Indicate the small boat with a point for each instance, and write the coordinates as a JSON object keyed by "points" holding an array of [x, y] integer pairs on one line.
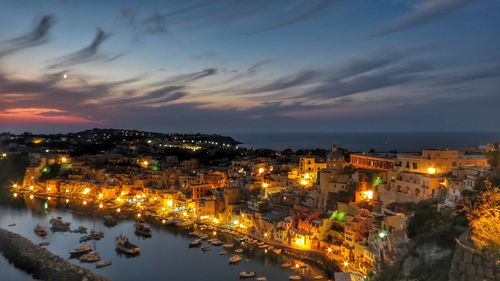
{"points": [[223, 252], [96, 235], [90, 257], [206, 248], [286, 265], [294, 277], [228, 245], [103, 263], [142, 230], [263, 247], [270, 248], [11, 225], [84, 238], [59, 225], [234, 259], [247, 274], [183, 223], [238, 251], [246, 260], [80, 250], [193, 233], [261, 278], [110, 220], [277, 251], [318, 277], [195, 243], [261, 243], [204, 237], [80, 229], [216, 242], [43, 244], [124, 246], [40, 231]]}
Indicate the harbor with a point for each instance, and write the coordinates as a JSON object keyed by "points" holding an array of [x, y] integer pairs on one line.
{"points": [[168, 243]]}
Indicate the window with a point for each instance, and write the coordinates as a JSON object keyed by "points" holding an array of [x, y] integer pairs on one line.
{"points": [[414, 166]]}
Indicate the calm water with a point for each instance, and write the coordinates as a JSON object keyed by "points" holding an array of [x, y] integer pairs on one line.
{"points": [[403, 142], [165, 256]]}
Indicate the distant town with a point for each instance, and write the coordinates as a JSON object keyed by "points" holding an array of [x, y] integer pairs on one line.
{"points": [[367, 215]]}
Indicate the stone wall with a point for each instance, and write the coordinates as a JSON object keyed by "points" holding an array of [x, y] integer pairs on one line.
{"points": [[470, 264], [39, 262]]}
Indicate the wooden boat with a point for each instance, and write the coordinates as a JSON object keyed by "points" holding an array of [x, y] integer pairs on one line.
{"points": [[247, 274], [206, 248], [204, 237], [40, 231], [124, 246], [11, 225], [294, 277], [142, 230], [80, 250], [216, 242], [96, 235], [318, 277], [223, 252], [90, 257], [238, 251], [228, 245], [59, 225], [234, 259], [195, 243], [277, 251], [261, 278], [43, 244], [103, 264]]}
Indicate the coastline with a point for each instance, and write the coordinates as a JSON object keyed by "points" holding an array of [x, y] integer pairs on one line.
{"points": [[40, 262]]}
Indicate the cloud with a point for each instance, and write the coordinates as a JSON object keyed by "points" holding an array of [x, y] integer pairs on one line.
{"points": [[87, 54], [41, 115], [38, 36], [426, 11], [299, 79], [189, 77]]}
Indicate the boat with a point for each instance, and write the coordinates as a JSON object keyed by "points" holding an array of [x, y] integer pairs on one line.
{"points": [[204, 237], [238, 251], [206, 248], [124, 246], [11, 225], [318, 277], [277, 251], [40, 231], [95, 235], [294, 277], [142, 230], [263, 247], [80, 229], [59, 225], [103, 263], [110, 220], [216, 242], [261, 278], [223, 252], [90, 257], [234, 259], [228, 245], [195, 243], [43, 244], [183, 223], [286, 265], [261, 243], [247, 274], [80, 250]]}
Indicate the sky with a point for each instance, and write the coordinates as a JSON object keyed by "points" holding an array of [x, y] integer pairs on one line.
{"points": [[250, 66]]}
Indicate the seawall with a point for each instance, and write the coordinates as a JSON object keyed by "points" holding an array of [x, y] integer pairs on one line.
{"points": [[40, 262]]}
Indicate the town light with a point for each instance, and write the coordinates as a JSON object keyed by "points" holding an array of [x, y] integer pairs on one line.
{"points": [[85, 202], [163, 221], [138, 215], [14, 185], [170, 203], [431, 170], [86, 191], [307, 176], [329, 250], [303, 182], [145, 163], [100, 195], [236, 222], [67, 200], [300, 241], [265, 234], [346, 263], [31, 196], [118, 210], [100, 206], [31, 187], [297, 265], [261, 170], [215, 233], [48, 188], [67, 190], [63, 159], [368, 194], [15, 194], [265, 185], [4, 155]]}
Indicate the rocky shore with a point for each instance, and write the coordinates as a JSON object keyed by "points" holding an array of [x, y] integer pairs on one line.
{"points": [[39, 262]]}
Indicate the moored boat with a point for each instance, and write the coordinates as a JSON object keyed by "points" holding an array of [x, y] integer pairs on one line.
{"points": [[206, 248], [216, 242], [234, 259], [90, 257], [40, 231], [43, 244], [223, 252], [261, 278], [277, 251], [110, 220], [318, 277], [80, 250], [142, 230], [247, 274], [228, 245], [185, 223], [195, 243], [294, 277], [124, 246], [59, 225], [103, 264]]}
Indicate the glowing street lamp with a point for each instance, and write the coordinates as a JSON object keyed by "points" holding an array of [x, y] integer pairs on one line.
{"points": [[431, 170], [15, 194], [118, 210], [265, 185], [346, 263], [329, 250], [303, 182], [31, 196]]}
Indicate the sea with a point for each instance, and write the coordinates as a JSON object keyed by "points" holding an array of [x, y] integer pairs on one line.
{"points": [[365, 141]]}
